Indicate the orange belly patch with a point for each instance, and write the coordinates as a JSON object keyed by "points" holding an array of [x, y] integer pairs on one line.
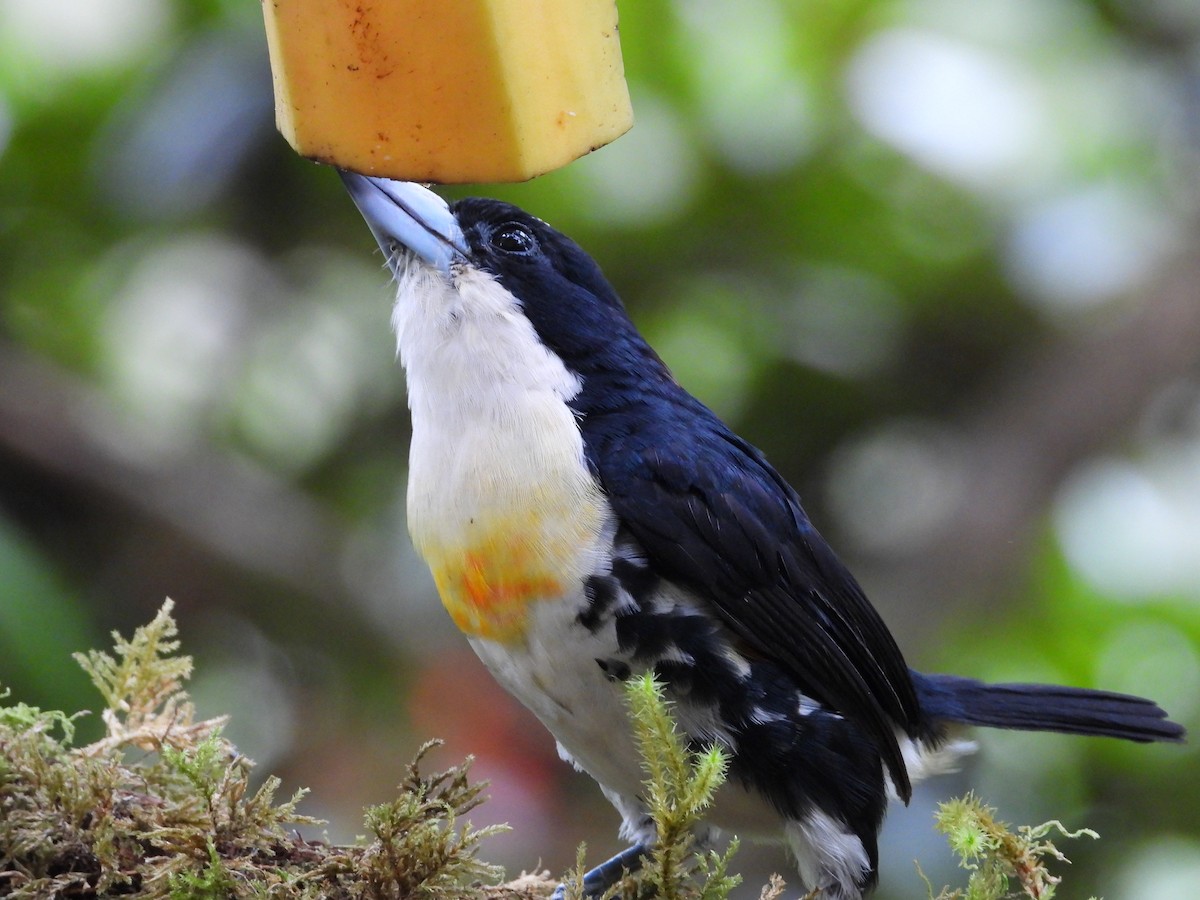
{"points": [[488, 591], [489, 585]]}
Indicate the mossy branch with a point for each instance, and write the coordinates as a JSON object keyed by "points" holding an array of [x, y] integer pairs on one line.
{"points": [[179, 819]]}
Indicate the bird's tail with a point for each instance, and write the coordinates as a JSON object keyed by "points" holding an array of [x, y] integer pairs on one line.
{"points": [[1044, 707]]}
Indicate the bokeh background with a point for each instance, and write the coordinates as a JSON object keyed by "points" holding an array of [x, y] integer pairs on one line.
{"points": [[940, 260]]}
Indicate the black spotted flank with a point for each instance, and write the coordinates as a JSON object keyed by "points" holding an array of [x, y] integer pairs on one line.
{"points": [[629, 588], [635, 577], [805, 760], [792, 749], [615, 669], [601, 592]]}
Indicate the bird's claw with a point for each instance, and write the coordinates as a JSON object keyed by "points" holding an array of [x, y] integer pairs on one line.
{"points": [[605, 875]]}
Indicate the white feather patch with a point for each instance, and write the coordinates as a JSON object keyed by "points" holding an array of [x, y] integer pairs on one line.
{"points": [[828, 855], [500, 500]]}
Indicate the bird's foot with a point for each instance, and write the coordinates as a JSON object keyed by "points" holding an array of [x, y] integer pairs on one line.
{"points": [[605, 875]]}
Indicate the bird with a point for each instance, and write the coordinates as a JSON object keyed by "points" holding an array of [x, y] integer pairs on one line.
{"points": [[587, 520]]}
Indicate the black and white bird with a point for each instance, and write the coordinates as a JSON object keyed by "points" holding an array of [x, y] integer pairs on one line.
{"points": [[587, 519]]}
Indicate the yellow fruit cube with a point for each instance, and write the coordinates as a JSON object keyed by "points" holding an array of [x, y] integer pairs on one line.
{"points": [[447, 91]]}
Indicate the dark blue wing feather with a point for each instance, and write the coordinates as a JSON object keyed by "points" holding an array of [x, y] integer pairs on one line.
{"points": [[713, 515]]}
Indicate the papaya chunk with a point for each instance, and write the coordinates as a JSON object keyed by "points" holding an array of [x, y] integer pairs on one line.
{"points": [[447, 91]]}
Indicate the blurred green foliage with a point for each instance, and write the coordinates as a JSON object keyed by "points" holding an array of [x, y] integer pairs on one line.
{"points": [[938, 260]]}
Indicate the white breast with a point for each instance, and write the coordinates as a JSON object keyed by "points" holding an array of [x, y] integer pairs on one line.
{"points": [[500, 500], [495, 441]]}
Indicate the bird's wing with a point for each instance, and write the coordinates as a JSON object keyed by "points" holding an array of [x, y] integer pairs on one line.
{"points": [[712, 514]]}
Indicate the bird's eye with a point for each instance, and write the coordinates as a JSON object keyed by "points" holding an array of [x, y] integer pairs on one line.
{"points": [[514, 238]]}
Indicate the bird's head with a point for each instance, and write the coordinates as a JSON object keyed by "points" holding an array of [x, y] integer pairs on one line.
{"points": [[481, 257]]}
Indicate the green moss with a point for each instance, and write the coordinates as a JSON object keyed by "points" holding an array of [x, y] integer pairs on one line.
{"points": [[162, 805], [680, 785], [212, 882], [1003, 863], [417, 850]]}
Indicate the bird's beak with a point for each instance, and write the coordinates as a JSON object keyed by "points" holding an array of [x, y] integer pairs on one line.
{"points": [[403, 215]]}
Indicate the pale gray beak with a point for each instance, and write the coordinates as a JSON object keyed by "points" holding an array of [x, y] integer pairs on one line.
{"points": [[406, 216]]}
